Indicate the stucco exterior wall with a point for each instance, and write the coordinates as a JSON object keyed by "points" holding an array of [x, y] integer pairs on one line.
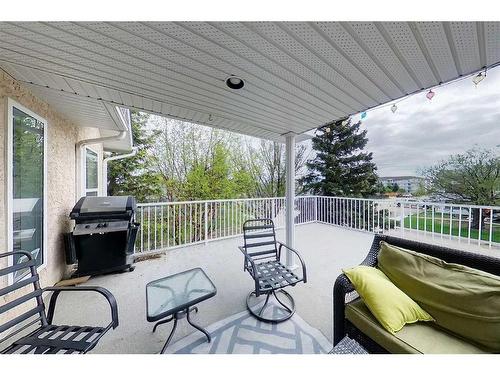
{"points": [[62, 135]]}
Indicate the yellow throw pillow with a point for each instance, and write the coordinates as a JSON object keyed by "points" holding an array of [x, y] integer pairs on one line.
{"points": [[388, 304]]}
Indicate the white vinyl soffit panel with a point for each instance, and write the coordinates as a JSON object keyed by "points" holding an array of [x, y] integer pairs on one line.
{"points": [[297, 75]]}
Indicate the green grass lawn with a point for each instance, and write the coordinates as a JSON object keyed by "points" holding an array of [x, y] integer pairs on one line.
{"points": [[464, 230]]}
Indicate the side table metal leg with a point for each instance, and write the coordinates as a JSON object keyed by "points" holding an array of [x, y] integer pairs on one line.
{"points": [[169, 336], [162, 322], [198, 327]]}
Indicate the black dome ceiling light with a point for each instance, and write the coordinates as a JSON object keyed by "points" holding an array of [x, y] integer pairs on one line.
{"points": [[234, 82]]}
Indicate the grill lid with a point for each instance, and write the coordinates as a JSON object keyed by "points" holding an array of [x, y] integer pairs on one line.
{"points": [[104, 207]]}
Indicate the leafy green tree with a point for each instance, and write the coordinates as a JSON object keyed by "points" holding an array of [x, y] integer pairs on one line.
{"points": [[216, 180], [135, 175], [471, 178], [196, 162], [340, 167]]}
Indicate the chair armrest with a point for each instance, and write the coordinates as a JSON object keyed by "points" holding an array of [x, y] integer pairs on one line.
{"points": [[304, 271], [341, 288], [56, 290], [248, 259]]}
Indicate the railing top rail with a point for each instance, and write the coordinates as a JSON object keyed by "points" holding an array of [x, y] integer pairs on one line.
{"points": [[396, 200], [336, 197], [207, 201], [458, 205], [403, 200]]}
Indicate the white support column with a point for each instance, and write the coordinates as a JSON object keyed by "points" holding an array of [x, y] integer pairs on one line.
{"points": [[290, 197]]}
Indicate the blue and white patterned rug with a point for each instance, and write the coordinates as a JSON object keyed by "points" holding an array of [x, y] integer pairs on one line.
{"points": [[243, 334]]}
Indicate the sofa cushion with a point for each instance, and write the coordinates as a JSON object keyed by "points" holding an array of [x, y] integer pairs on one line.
{"points": [[462, 300], [411, 339], [392, 308]]}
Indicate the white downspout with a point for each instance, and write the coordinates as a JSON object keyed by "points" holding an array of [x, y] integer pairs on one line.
{"points": [[104, 191], [93, 141], [290, 197], [79, 155]]}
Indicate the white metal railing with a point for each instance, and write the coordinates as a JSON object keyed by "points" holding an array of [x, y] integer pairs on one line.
{"points": [[468, 224], [173, 224]]}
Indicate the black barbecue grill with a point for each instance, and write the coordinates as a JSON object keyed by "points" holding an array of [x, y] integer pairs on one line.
{"points": [[104, 235]]}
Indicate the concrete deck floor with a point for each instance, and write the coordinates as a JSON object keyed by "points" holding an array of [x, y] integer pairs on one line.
{"points": [[325, 249]]}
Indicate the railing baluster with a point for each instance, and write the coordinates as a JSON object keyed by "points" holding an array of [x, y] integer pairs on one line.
{"points": [[442, 220], [460, 224], [469, 225], [179, 226], [402, 214], [417, 217], [378, 217], [161, 227], [373, 216], [205, 236], [425, 218], [491, 228], [155, 226], [451, 221], [480, 227], [190, 222], [142, 229], [225, 218], [149, 227], [433, 216]]}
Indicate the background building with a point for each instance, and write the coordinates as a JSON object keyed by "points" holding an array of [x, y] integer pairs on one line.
{"points": [[410, 184]]}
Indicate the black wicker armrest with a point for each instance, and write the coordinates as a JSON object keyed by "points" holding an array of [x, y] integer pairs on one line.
{"points": [[343, 286], [371, 258], [304, 271], [56, 290]]}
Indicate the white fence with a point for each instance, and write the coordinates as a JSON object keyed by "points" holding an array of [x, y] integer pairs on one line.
{"points": [[468, 224], [173, 224]]}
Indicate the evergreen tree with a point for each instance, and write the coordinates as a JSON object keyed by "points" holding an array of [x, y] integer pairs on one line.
{"points": [[135, 175], [340, 168]]}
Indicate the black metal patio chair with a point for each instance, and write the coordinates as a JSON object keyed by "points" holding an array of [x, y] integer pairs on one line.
{"points": [[25, 295], [263, 262]]}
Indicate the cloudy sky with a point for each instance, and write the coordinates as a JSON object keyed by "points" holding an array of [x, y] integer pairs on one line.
{"points": [[422, 132]]}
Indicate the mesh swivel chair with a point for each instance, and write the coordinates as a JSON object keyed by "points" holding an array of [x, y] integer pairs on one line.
{"points": [[263, 262]]}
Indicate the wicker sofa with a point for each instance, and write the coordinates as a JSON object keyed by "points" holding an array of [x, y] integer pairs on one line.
{"points": [[352, 318]]}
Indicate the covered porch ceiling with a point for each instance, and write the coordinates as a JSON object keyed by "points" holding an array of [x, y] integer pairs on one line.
{"points": [[298, 75]]}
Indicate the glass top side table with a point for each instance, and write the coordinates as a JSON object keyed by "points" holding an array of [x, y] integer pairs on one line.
{"points": [[173, 297]]}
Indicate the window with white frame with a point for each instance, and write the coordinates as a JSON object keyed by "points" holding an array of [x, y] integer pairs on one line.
{"points": [[26, 186], [91, 172]]}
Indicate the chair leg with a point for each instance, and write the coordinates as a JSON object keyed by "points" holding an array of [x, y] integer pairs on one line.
{"points": [[265, 304], [259, 312], [281, 303]]}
